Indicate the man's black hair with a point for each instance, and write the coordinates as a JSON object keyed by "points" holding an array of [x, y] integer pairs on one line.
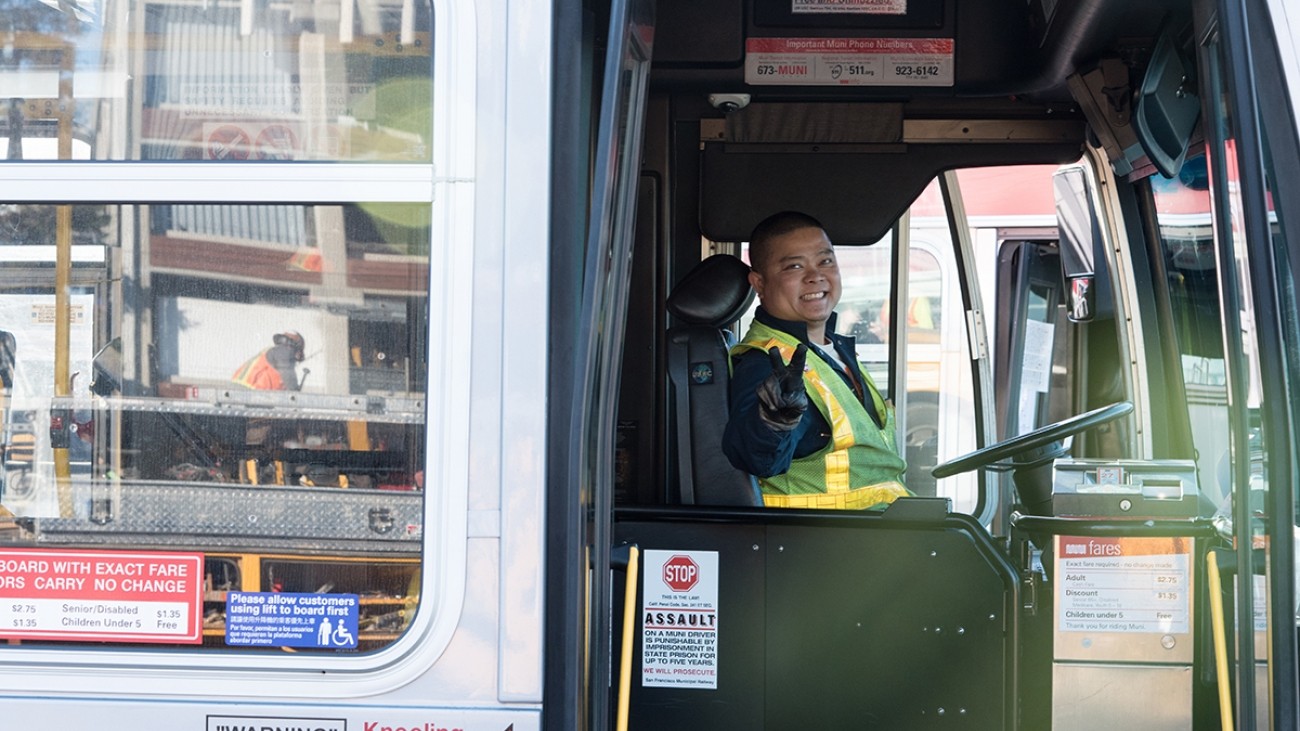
{"points": [[775, 225]]}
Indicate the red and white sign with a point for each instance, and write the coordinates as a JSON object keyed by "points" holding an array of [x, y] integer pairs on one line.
{"points": [[856, 7], [226, 142], [679, 620], [106, 596], [681, 573], [238, 141], [849, 61], [276, 142], [1137, 585]]}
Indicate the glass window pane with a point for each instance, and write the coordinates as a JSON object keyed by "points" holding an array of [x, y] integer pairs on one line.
{"points": [[246, 389], [143, 80], [866, 274], [1183, 213]]}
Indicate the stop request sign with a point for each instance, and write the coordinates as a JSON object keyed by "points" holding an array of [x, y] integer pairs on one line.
{"points": [[681, 572]]}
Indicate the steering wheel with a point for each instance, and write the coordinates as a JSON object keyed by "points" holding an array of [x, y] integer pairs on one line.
{"points": [[1036, 439]]}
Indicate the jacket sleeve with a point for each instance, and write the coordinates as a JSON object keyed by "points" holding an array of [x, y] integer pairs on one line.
{"points": [[750, 445], [281, 358]]}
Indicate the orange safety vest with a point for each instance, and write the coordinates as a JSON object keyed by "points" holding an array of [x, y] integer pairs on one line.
{"points": [[259, 374]]}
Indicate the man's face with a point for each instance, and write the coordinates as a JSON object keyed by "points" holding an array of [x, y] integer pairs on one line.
{"points": [[801, 279]]}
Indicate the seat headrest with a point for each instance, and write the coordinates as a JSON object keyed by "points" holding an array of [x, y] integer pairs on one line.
{"points": [[714, 293]]}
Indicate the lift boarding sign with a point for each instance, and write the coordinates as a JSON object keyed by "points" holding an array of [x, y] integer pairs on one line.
{"points": [[289, 619]]}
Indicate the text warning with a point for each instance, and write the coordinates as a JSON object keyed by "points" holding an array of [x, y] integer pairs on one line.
{"points": [[274, 619], [105, 596]]}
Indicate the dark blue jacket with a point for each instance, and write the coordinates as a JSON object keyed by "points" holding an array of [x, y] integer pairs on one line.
{"points": [[750, 444]]}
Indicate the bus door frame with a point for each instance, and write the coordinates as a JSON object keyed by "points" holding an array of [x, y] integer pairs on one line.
{"points": [[588, 496], [993, 503], [1241, 27]]}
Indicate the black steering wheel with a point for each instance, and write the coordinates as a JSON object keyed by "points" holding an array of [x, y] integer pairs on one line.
{"points": [[1036, 439]]}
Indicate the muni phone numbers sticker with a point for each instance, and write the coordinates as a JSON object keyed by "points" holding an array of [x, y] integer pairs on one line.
{"points": [[849, 61], [856, 7]]}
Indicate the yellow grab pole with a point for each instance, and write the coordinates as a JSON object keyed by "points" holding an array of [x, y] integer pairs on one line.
{"points": [[1220, 643], [62, 328], [625, 655], [63, 289]]}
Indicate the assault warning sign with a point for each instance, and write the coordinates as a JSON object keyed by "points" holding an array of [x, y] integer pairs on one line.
{"points": [[679, 620], [1124, 584], [101, 595]]}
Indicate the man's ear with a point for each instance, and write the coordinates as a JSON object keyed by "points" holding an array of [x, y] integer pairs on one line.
{"points": [[756, 281]]}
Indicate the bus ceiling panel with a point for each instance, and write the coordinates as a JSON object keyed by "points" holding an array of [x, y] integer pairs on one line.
{"points": [[857, 195], [998, 47], [883, 123], [694, 33]]}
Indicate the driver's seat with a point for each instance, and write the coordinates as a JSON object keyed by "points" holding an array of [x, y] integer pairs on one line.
{"points": [[710, 297]]}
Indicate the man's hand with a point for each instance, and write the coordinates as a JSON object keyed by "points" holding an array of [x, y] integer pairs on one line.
{"points": [[781, 396]]}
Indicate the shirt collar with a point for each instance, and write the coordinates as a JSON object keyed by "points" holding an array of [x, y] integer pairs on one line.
{"points": [[797, 328]]}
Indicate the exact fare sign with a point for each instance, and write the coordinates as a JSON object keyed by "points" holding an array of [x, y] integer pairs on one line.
{"points": [[106, 596]]}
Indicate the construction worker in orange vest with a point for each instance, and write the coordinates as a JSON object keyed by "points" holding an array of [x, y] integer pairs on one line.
{"points": [[273, 369]]}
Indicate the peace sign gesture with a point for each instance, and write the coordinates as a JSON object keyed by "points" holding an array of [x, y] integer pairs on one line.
{"points": [[782, 399]]}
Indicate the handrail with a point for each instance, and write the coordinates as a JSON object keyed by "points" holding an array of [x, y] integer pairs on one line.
{"points": [[1220, 644], [1151, 527], [629, 623]]}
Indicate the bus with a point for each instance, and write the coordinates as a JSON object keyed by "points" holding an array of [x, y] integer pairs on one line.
{"points": [[363, 364]]}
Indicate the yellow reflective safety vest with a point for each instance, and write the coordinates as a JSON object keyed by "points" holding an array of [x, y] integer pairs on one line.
{"points": [[860, 466]]}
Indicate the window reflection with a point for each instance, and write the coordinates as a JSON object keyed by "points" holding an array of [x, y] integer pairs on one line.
{"points": [[245, 380], [137, 80]]}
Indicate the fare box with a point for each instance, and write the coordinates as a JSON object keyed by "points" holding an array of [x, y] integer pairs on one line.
{"points": [[849, 61], [103, 596]]}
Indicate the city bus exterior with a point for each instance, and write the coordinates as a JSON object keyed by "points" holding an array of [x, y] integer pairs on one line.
{"points": [[342, 385]]}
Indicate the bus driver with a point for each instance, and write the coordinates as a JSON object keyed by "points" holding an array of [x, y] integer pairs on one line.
{"points": [[841, 453]]}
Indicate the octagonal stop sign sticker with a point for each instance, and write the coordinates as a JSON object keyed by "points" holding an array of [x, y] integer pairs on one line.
{"points": [[681, 573]]}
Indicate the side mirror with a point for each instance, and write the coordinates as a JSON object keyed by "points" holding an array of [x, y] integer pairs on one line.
{"points": [[108, 369], [1079, 232]]}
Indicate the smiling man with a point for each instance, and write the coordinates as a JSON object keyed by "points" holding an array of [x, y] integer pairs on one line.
{"points": [[841, 453]]}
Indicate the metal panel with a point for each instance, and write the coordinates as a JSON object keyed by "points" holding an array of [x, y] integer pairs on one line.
{"points": [[844, 621], [885, 629], [158, 513], [241, 402], [263, 224], [1091, 697]]}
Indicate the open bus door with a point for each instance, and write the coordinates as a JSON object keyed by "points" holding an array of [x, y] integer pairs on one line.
{"points": [[586, 506], [731, 601]]}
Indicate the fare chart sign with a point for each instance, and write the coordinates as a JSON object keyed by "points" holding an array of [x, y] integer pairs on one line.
{"points": [[107, 596], [1138, 585], [679, 613]]}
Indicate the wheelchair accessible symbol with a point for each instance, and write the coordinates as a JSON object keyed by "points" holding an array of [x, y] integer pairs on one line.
{"points": [[334, 635]]}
